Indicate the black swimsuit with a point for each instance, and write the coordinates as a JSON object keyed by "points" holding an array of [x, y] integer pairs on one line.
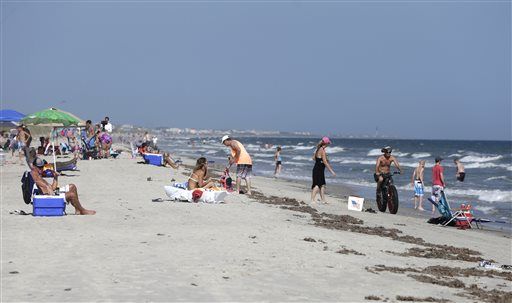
{"points": [[318, 173]]}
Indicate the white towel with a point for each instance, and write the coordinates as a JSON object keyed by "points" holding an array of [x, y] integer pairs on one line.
{"points": [[179, 194]]}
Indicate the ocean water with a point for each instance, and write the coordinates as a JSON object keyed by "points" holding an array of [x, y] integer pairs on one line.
{"points": [[488, 166]]}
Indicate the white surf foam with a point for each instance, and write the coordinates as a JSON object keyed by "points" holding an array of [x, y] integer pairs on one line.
{"points": [[498, 178], [400, 154], [455, 156], [420, 155], [335, 149], [353, 161], [302, 147], [302, 158], [487, 165], [260, 155], [479, 159], [374, 152]]}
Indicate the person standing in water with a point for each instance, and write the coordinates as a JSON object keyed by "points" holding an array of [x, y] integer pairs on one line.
{"points": [[460, 174], [417, 183], [321, 162], [243, 162], [278, 160]]}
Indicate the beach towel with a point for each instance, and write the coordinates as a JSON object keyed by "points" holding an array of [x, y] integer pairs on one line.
{"points": [[179, 194]]}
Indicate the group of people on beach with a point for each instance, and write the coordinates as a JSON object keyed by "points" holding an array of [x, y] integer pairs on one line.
{"points": [[97, 136], [17, 141], [438, 180], [382, 170]]}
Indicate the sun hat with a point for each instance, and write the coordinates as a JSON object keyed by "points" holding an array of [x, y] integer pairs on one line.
{"points": [[38, 162], [326, 140], [225, 138]]}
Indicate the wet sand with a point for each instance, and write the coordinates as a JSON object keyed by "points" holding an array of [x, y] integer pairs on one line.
{"points": [[272, 246]]}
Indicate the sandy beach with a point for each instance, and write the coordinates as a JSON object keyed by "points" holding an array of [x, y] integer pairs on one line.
{"points": [[268, 247]]}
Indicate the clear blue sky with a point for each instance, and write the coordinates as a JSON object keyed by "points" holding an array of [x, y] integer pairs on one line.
{"points": [[414, 69]]}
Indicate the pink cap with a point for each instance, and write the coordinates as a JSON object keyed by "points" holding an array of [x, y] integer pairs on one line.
{"points": [[326, 140]]}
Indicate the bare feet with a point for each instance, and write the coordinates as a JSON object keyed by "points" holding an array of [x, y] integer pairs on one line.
{"points": [[421, 208], [85, 212]]}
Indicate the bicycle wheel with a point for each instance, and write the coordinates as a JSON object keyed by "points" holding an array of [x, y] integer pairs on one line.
{"points": [[381, 204], [392, 199]]}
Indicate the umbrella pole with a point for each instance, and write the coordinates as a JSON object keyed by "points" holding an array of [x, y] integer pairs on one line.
{"points": [[53, 151]]}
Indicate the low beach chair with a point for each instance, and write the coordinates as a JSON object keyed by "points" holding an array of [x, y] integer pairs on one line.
{"points": [[461, 217], [88, 151]]}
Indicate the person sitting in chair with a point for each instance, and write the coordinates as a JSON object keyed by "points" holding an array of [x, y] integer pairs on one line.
{"points": [[71, 193]]}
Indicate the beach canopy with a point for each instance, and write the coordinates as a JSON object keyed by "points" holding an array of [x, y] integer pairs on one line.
{"points": [[52, 117], [9, 115]]}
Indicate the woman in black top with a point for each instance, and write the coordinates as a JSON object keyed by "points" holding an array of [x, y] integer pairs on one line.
{"points": [[321, 162]]}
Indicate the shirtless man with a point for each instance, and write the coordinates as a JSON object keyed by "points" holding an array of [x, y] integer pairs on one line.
{"points": [[460, 174], [70, 191], [243, 162], [24, 139], [417, 184], [383, 166]]}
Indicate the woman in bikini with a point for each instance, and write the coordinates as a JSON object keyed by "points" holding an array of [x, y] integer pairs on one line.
{"points": [[198, 178]]}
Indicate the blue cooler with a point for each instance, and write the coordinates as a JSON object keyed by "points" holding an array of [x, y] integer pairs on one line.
{"points": [[48, 205], [154, 159]]}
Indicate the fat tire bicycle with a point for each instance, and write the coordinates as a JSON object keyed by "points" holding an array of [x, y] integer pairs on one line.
{"points": [[388, 195]]}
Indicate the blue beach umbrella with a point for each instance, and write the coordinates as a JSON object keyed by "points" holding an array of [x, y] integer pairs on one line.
{"points": [[9, 115]]}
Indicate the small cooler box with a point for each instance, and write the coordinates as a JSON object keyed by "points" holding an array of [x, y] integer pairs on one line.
{"points": [[154, 159], [49, 205]]}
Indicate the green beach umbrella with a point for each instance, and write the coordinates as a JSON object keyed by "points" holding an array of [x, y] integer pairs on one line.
{"points": [[52, 117]]}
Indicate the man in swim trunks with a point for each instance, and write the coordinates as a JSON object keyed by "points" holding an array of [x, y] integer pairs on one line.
{"points": [[460, 174], [70, 190], [383, 166], [417, 183], [243, 162]]}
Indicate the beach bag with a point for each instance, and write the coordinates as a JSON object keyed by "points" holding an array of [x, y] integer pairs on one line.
{"points": [[27, 185]]}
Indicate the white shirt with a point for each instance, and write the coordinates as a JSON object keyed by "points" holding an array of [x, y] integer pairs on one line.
{"points": [[108, 127]]}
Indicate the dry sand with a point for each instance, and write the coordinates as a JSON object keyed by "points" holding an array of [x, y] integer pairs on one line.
{"points": [[134, 249]]}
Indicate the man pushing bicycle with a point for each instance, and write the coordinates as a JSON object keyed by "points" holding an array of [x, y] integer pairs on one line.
{"points": [[383, 166]]}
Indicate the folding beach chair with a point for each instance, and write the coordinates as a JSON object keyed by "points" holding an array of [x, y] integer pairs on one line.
{"points": [[88, 150], [461, 217]]}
